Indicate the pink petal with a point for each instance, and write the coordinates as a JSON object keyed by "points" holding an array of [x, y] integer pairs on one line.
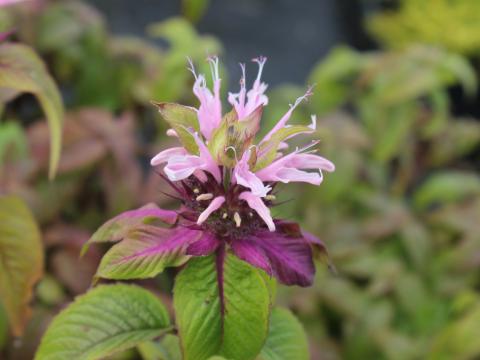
{"points": [[245, 177], [283, 121], [257, 204], [214, 205], [164, 155], [210, 109], [209, 163]]}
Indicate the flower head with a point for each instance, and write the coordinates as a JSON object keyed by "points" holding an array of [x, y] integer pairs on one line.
{"points": [[226, 182]]}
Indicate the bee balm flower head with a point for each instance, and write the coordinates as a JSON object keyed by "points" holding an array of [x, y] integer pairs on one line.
{"points": [[226, 182]]}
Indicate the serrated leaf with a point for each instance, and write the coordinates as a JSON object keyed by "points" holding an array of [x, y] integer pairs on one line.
{"points": [[146, 251], [21, 260], [106, 320], [221, 309], [181, 119], [21, 69], [117, 228], [286, 338]]}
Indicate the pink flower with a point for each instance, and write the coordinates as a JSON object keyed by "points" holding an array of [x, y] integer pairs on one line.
{"points": [[225, 181], [210, 110], [255, 97]]}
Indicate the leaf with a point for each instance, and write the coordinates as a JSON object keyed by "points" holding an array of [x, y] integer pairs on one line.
{"points": [[21, 69], [166, 349], [106, 320], [458, 340], [221, 309], [147, 251], [117, 228], [194, 9], [446, 187], [21, 260], [286, 338], [181, 119], [268, 150]]}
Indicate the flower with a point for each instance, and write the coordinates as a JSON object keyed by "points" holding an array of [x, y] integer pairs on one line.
{"points": [[226, 185]]}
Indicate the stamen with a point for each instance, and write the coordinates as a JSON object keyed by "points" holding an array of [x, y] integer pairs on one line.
{"points": [[237, 219], [196, 191], [224, 216], [191, 68], [261, 60], [213, 60], [207, 196], [270, 197]]}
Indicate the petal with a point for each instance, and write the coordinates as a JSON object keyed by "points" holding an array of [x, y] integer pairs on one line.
{"points": [[311, 161], [243, 176], [164, 155], [210, 109], [257, 204], [209, 163], [286, 175], [283, 121], [251, 253], [215, 204], [290, 257], [181, 167], [204, 246]]}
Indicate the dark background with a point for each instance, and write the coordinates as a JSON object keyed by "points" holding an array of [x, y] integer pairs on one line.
{"points": [[294, 35]]}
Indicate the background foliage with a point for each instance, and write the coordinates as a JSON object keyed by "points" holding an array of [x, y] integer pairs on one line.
{"points": [[399, 215]]}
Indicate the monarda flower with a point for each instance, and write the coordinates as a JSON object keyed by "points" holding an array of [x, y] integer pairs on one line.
{"points": [[226, 184]]}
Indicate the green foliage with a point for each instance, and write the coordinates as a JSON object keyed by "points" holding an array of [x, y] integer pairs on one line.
{"points": [[21, 260], [22, 70], [394, 93], [286, 338], [238, 328], [106, 320], [454, 25]]}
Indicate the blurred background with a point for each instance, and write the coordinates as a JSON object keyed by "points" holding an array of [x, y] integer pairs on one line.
{"points": [[398, 107]]}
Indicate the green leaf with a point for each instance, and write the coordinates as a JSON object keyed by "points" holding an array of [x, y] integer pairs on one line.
{"points": [[146, 252], [22, 69], [194, 9], [458, 340], [166, 349], [106, 320], [286, 338], [446, 187], [181, 118], [13, 143], [269, 148], [21, 260], [235, 327]]}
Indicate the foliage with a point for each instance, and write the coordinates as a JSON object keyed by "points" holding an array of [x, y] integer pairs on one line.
{"points": [[454, 25], [21, 263], [399, 215]]}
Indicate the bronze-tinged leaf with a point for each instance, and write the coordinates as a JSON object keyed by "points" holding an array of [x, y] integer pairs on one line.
{"points": [[22, 70], [21, 260]]}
